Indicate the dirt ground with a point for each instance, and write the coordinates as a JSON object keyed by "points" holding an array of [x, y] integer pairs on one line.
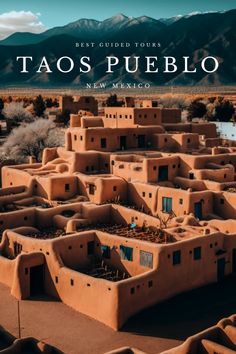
{"points": [[154, 330]]}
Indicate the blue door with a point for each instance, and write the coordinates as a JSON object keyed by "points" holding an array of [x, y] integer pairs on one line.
{"points": [[198, 210]]}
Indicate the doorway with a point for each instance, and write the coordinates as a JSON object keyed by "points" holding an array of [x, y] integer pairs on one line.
{"points": [[163, 173], [198, 210], [141, 141], [123, 145], [220, 268], [37, 280]]}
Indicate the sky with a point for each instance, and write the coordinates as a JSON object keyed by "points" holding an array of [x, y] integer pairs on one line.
{"points": [[38, 15]]}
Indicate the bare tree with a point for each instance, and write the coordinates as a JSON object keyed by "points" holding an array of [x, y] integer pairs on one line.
{"points": [[30, 140], [16, 112]]}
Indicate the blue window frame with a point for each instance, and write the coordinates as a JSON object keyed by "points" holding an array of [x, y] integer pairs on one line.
{"points": [[126, 253], [106, 252], [167, 205]]}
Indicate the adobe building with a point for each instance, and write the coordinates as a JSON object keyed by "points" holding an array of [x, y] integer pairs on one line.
{"points": [[118, 213], [76, 103]]}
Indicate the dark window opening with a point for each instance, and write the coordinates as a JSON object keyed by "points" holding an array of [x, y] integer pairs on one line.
{"points": [[90, 248], [126, 253], [106, 252], [197, 253], [176, 257], [103, 143], [67, 187]]}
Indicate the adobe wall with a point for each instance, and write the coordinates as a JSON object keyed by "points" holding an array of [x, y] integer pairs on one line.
{"points": [[123, 117], [102, 189], [56, 187], [78, 139], [225, 204]]}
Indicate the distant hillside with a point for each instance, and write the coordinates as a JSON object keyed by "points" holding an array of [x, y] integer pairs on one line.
{"points": [[195, 36]]}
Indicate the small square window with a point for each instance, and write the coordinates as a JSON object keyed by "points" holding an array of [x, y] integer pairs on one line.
{"points": [[75, 137], [154, 168], [114, 188], [143, 194], [81, 137], [67, 187], [176, 257], [132, 291], [181, 201], [188, 140], [92, 140], [150, 195]]}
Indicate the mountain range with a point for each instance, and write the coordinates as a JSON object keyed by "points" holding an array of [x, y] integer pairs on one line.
{"points": [[196, 36]]}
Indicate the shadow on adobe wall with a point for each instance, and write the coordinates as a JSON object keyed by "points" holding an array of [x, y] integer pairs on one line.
{"points": [[188, 313]]}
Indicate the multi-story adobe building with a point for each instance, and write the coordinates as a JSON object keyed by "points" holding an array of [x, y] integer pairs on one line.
{"points": [[129, 212]]}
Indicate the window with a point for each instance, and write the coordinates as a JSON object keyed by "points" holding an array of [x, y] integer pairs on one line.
{"points": [[126, 253], [155, 115], [225, 175], [145, 116], [67, 187], [92, 140], [132, 291], [150, 195], [103, 143], [90, 248], [197, 253], [154, 168], [72, 282], [75, 137], [181, 201], [191, 175], [188, 140], [126, 116], [87, 168], [114, 189], [106, 115], [91, 189], [166, 205], [143, 194], [87, 99], [222, 201], [114, 116], [130, 117], [146, 259], [165, 140], [176, 257], [106, 252], [81, 138], [120, 116], [140, 115], [150, 284]]}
